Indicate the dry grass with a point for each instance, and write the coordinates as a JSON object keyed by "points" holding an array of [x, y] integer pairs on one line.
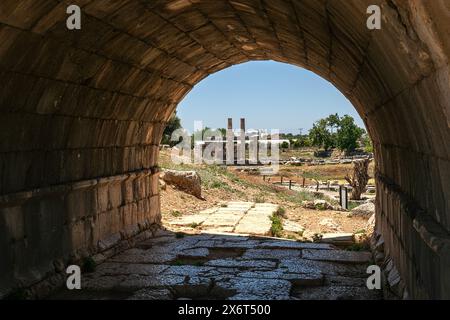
{"points": [[323, 172]]}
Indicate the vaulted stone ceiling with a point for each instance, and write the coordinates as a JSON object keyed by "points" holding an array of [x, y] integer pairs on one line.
{"points": [[77, 105]]}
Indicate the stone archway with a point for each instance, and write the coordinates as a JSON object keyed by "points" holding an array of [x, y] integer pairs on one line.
{"points": [[82, 113]]}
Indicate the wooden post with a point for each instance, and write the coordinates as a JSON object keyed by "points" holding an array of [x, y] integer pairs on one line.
{"points": [[343, 197], [281, 180], [304, 181], [290, 184], [264, 178]]}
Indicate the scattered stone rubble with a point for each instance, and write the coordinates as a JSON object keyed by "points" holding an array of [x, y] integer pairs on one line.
{"points": [[187, 181], [366, 209], [317, 205]]}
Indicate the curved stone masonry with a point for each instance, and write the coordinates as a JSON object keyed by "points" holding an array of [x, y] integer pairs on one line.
{"points": [[89, 104]]}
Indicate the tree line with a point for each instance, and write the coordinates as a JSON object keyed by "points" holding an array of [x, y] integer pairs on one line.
{"points": [[327, 133], [332, 132]]}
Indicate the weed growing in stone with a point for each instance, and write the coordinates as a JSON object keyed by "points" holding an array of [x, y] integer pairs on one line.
{"points": [[277, 226]]}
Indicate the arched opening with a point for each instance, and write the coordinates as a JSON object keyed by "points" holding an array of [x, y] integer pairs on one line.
{"points": [[267, 96], [83, 113]]}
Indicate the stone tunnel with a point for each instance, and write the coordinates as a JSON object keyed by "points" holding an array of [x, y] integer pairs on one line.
{"points": [[82, 115]]}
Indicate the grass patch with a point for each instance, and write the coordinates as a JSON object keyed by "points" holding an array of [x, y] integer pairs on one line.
{"points": [[259, 198], [217, 184], [281, 212], [276, 229], [176, 213], [194, 225], [352, 205], [298, 197]]}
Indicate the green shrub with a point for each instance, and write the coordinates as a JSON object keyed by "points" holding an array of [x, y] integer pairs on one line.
{"points": [[321, 206], [276, 229], [217, 185], [281, 212], [176, 213]]}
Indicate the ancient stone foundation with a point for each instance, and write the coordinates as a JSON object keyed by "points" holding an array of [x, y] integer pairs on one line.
{"points": [[82, 113]]}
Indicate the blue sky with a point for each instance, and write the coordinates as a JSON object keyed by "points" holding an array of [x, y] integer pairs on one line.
{"points": [[270, 95]]}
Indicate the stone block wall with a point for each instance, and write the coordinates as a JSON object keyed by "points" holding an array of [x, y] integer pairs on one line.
{"points": [[416, 244], [43, 229]]}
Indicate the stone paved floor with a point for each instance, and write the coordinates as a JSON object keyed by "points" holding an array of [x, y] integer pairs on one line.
{"points": [[234, 217], [219, 266]]}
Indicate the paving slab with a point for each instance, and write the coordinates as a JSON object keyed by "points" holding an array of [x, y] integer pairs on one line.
{"points": [[220, 219], [299, 279], [114, 269], [322, 267], [338, 256], [258, 289], [194, 253], [338, 238], [292, 226], [143, 256], [151, 294], [230, 265], [336, 293], [188, 220], [261, 254], [288, 244], [257, 220], [240, 263]]}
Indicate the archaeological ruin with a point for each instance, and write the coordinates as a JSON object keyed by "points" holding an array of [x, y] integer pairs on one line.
{"points": [[83, 111]]}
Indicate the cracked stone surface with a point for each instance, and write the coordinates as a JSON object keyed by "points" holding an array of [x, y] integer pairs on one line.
{"points": [[234, 217], [234, 267]]}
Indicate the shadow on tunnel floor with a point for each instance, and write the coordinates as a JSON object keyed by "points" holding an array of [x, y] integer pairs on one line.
{"points": [[180, 266]]}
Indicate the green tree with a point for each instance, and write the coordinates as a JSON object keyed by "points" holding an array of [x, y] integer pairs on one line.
{"points": [[348, 134], [173, 124], [321, 136], [285, 145], [333, 122]]}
